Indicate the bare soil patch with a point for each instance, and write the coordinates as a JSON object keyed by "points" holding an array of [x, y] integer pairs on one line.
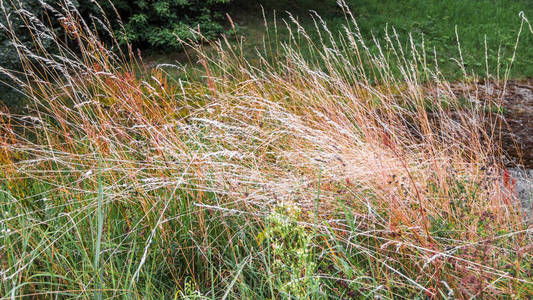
{"points": [[516, 126]]}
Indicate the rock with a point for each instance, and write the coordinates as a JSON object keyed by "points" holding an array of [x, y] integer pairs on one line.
{"points": [[524, 190]]}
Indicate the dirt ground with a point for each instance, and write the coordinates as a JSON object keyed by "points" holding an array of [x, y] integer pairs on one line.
{"points": [[516, 127]]}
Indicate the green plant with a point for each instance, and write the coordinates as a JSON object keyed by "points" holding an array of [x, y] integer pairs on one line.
{"points": [[162, 23], [189, 292], [291, 248], [155, 24]]}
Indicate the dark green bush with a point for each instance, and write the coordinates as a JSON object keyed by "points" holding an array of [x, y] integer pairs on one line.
{"points": [[156, 23]]}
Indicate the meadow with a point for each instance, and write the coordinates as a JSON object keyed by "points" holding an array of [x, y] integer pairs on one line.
{"points": [[318, 164]]}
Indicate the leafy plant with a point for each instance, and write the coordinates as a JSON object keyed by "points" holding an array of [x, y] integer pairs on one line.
{"points": [[290, 244], [159, 23]]}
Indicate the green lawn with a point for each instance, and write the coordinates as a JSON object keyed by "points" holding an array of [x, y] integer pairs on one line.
{"points": [[496, 20]]}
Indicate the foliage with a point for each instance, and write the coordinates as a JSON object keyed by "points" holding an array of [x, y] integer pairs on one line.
{"points": [[158, 23], [291, 244]]}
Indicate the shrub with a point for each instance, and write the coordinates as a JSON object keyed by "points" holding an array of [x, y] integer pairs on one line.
{"points": [[157, 23]]}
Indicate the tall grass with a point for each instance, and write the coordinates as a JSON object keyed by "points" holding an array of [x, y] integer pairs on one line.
{"points": [[330, 177]]}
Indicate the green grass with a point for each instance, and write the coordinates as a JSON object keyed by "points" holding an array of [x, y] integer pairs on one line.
{"points": [[495, 21]]}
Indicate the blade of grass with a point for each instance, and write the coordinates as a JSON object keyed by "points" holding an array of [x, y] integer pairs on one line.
{"points": [[100, 215], [230, 287]]}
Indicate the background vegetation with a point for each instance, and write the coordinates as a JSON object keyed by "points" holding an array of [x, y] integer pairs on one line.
{"points": [[157, 24], [153, 24]]}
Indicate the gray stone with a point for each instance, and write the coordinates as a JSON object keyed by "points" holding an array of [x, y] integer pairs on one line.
{"points": [[524, 190]]}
